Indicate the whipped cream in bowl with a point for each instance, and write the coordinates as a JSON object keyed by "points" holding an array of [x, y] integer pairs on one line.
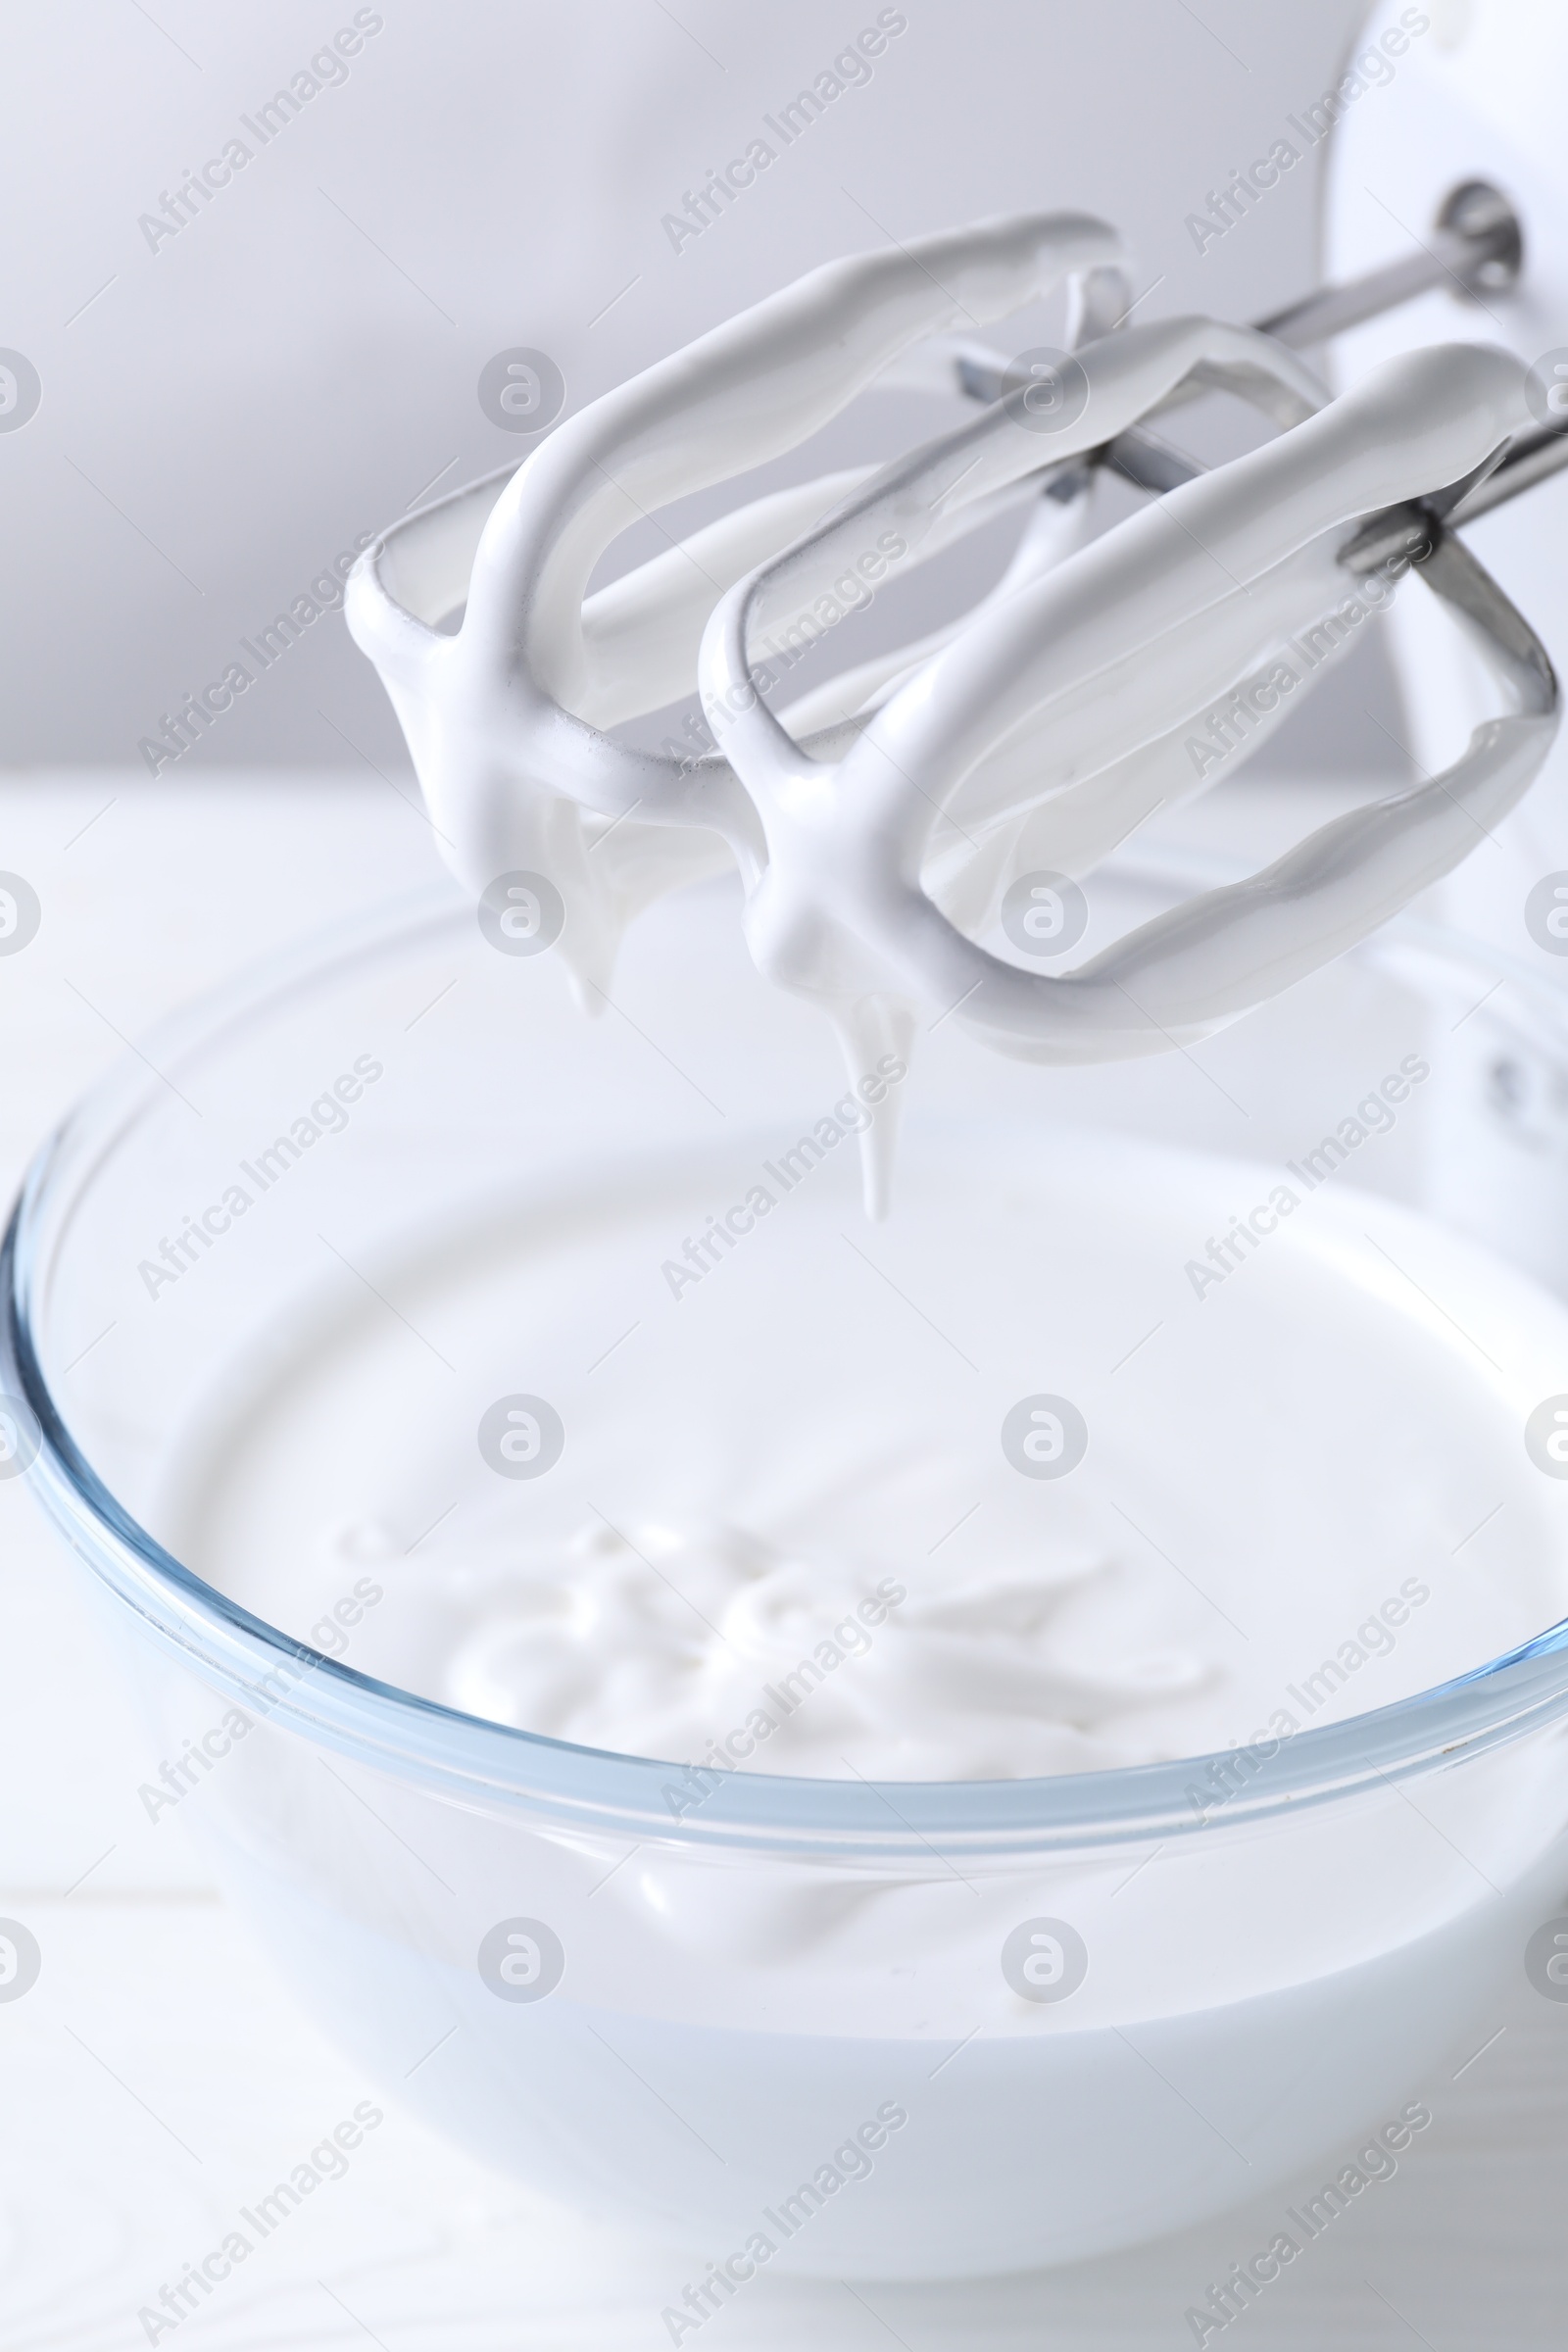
{"points": [[723, 1648], [1061, 1681]]}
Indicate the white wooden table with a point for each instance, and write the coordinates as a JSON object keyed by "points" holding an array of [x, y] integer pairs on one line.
{"points": [[157, 2078]]}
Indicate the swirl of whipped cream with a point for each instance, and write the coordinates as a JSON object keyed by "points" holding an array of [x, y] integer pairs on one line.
{"points": [[717, 1647]]}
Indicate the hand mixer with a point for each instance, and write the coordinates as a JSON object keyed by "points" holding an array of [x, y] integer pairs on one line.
{"points": [[877, 820], [1487, 84]]}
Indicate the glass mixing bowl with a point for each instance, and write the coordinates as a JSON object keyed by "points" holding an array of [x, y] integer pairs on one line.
{"points": [[895, 2030]]}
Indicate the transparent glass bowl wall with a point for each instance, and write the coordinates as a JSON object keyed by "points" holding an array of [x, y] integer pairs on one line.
{"points": [[1264, 1983]]}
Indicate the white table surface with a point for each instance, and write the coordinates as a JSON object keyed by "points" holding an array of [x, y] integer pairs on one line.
{"points": [[158, 2077]]}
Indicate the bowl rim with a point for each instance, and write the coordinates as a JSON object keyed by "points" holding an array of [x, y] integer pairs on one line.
{"points": [[470, 1760]]}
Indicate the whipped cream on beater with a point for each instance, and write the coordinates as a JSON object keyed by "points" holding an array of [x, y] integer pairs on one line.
{"points": [[876, 824]]}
